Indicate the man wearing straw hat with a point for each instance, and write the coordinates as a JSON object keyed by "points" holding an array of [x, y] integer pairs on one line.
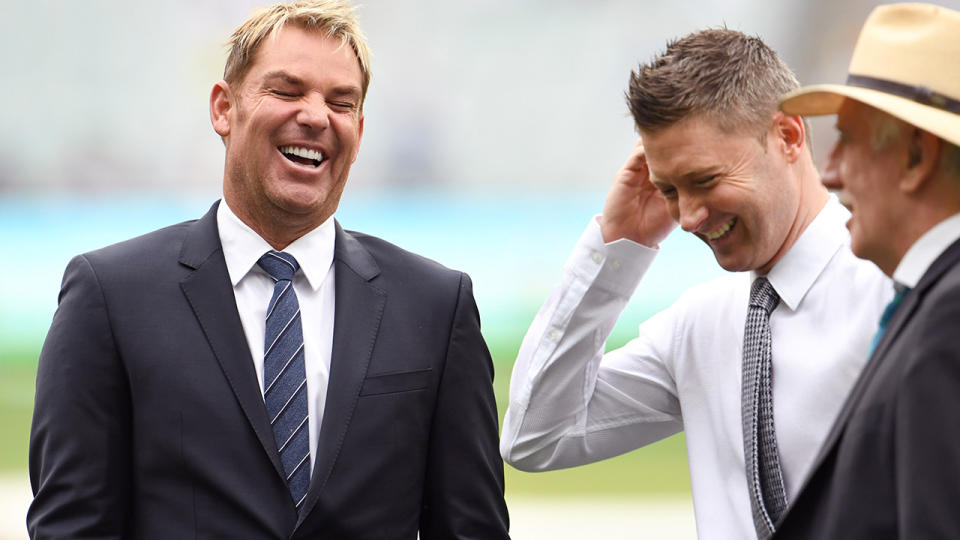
{"points": [[891, 465]]}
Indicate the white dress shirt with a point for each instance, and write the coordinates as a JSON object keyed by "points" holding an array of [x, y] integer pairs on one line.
{"points": [[917, 260], [253, 288], [570, 404]]}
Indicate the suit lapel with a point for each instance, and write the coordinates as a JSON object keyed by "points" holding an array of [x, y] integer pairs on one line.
{"points": [[911, 302], [358, 311], [210, 294]]}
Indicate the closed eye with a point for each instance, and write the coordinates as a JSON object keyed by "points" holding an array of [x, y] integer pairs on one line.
{"points": [[704, 182], [668, 192], [343, 105], [284, 93]]}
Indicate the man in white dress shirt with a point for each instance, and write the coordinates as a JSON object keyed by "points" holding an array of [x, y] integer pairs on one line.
{"points": [[717, 157], [890, 467]]}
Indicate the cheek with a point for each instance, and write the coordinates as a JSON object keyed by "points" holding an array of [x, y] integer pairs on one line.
{"points": [[853, 167]]}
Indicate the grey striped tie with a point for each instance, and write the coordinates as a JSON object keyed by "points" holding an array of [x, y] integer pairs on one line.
{"points": [[284, 375], [768, 498]]}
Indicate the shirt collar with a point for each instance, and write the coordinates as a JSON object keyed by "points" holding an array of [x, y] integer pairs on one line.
{"points": [[917, 260], [802, 264], [243, 247]]}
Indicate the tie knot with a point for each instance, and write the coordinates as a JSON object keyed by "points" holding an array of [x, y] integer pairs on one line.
{"points": [[762, 295], [280, 265]]}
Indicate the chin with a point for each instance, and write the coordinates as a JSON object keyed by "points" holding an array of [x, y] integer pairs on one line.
{"points": [[734, 267], [300, 198], [730, 262]]}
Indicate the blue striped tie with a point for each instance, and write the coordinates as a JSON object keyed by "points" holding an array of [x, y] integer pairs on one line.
{"points": [[284, 375]]}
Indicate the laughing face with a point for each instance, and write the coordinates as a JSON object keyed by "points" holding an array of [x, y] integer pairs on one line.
{"points": [[292, 129], [864, 167], [730, 190]]}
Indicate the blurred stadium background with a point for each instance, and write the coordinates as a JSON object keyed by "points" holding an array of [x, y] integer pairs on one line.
{"points": [[493, 129]]}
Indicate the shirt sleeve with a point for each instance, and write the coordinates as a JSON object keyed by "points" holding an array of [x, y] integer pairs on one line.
{"points": [[570, 403]]}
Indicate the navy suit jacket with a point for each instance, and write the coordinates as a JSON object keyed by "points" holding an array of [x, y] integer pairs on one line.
{"points": [[890, 468], [149, 421]]}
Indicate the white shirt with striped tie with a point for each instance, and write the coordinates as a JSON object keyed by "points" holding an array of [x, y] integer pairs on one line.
{"points": [[252, 288]]}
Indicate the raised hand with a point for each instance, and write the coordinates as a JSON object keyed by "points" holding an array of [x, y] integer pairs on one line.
{"points": [[635, 209]]}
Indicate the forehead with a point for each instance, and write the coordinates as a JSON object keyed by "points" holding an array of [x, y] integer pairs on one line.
{"points": [[694, 146], [303, 52], [853, 114]]}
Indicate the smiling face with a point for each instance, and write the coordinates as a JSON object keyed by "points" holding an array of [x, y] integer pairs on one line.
{"points": [[292, 129], [864, 166], [733, 191]]}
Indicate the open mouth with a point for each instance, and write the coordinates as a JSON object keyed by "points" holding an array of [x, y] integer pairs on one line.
{"points": [[723, 231], [302, 156]]}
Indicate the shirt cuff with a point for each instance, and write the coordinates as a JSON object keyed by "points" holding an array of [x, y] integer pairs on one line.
{"points": [[617, 266]]}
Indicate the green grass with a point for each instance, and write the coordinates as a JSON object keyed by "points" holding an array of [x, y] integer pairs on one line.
{"points": [[16, 406], [657, 469], [660, 468]]}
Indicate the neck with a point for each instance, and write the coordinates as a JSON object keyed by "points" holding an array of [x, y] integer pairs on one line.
{"points": [[277, 230], [812, 198]]}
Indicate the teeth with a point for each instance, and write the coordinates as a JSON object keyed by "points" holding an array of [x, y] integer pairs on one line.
{"points": [[302, 152], [721, 231]]}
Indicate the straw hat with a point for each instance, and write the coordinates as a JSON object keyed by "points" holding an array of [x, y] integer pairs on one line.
{"points": [[906, 63]]}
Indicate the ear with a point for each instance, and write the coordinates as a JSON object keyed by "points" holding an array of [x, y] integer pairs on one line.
{"points": [[790, 135], [923, 159], [221, 105], [359, 138]]}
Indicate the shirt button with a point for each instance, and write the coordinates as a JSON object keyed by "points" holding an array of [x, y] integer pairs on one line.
{"points": [[553, 336], [597, 257], [615, 264]]}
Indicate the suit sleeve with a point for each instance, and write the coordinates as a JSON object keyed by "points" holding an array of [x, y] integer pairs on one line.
{"points": [[80, 437], [928, 428], [464, 484]]}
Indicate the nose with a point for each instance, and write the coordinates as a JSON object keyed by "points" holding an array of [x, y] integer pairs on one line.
{"points": [[831, 173], [692, 212], [314, 113]]}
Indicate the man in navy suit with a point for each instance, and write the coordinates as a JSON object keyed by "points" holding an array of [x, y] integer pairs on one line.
{"points": [[173, 403], [890, 467]]}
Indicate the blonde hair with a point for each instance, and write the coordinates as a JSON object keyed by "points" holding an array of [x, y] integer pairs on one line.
{"points": [[334, 18]]}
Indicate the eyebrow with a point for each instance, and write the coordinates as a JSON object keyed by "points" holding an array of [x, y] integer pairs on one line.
{"points": [[347, 91], [282, 75]]}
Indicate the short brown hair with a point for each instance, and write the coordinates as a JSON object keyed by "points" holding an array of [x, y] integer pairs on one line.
{"points": [[721, 74], [335, 18]]}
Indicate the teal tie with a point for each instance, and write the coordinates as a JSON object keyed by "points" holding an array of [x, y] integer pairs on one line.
{"points": [[888, 314]]}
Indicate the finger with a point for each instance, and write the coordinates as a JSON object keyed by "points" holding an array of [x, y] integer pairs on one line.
{"points": [[637, 161], [635, 173]]}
